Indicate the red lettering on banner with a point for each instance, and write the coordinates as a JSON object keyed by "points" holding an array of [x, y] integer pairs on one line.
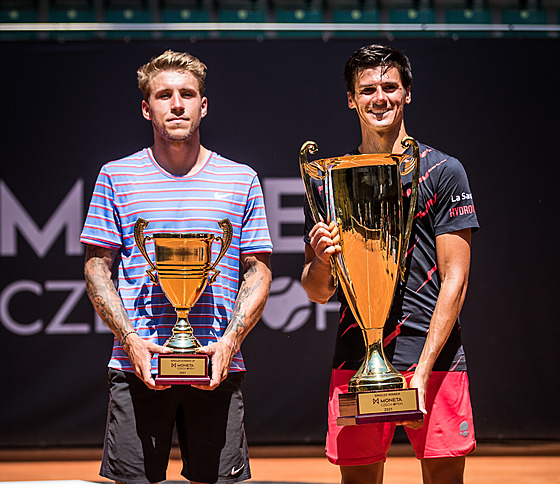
{"points": [[457, 211]]}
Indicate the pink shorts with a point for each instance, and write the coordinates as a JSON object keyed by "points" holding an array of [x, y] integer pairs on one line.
{"points": [[448, 429]]}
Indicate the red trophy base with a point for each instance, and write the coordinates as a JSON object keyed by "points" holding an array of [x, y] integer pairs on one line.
{"points": [[183, 369], [378, 406]]}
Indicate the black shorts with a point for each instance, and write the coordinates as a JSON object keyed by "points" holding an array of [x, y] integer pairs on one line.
{"points": [[140, 425]]}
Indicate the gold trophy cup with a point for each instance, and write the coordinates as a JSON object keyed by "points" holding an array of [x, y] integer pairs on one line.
{"points": [[363, 196], [183, 264]]}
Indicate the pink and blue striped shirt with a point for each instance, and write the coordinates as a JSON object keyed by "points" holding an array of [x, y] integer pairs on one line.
{"points": [[136, 186]]}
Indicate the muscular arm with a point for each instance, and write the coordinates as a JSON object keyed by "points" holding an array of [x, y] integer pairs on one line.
{"points": [[453, 259], [102, 292], [247, 311], [317, 278], [108, 305]]}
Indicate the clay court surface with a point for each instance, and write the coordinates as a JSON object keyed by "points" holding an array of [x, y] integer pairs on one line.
{"points": [[533, 464]]}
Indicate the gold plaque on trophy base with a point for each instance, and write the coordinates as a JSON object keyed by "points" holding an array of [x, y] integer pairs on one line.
{"points": [[177, 369], [382, 406]]}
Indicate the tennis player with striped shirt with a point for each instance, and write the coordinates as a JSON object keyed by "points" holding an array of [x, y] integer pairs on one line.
{"points": [[178, 185]]}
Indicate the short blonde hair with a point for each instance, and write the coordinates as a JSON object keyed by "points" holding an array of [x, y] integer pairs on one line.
{"points": [[170, 61]]}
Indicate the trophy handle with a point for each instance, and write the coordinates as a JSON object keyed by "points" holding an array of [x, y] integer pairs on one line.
{"points": [[139, 227], [310, 170], [225, 240], [314, 170], [408, 167]]}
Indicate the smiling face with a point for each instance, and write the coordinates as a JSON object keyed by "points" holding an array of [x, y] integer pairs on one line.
{"points": [[175, 106], [379, 99]]}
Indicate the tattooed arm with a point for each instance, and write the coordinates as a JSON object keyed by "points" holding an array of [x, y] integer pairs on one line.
{"points": [[108, 304], [248, 308]]}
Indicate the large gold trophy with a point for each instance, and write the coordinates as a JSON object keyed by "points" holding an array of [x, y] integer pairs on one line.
{"points": [[363, 196], [183, 264]]}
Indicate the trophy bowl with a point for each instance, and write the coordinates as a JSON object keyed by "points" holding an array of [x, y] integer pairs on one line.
{"points": [[183, 266], [363, 195]]}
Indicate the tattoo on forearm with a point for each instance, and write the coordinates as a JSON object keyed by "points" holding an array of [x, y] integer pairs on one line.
{"points": [[251, 270], [239, 310], [103, 294], [245, 302]]}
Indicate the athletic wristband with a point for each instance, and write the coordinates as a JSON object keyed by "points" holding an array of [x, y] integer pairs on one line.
{"points": [[126, 336]]}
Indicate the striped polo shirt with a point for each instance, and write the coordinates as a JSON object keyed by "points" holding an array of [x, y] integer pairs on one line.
{"points": [[136, 186]]}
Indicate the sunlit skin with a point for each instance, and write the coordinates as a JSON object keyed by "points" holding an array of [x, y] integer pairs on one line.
{"points": [[176, 107], [379, 99]]}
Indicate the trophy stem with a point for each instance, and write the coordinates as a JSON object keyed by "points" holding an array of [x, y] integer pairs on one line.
{"points": [[183, 340], [376, 373]]}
